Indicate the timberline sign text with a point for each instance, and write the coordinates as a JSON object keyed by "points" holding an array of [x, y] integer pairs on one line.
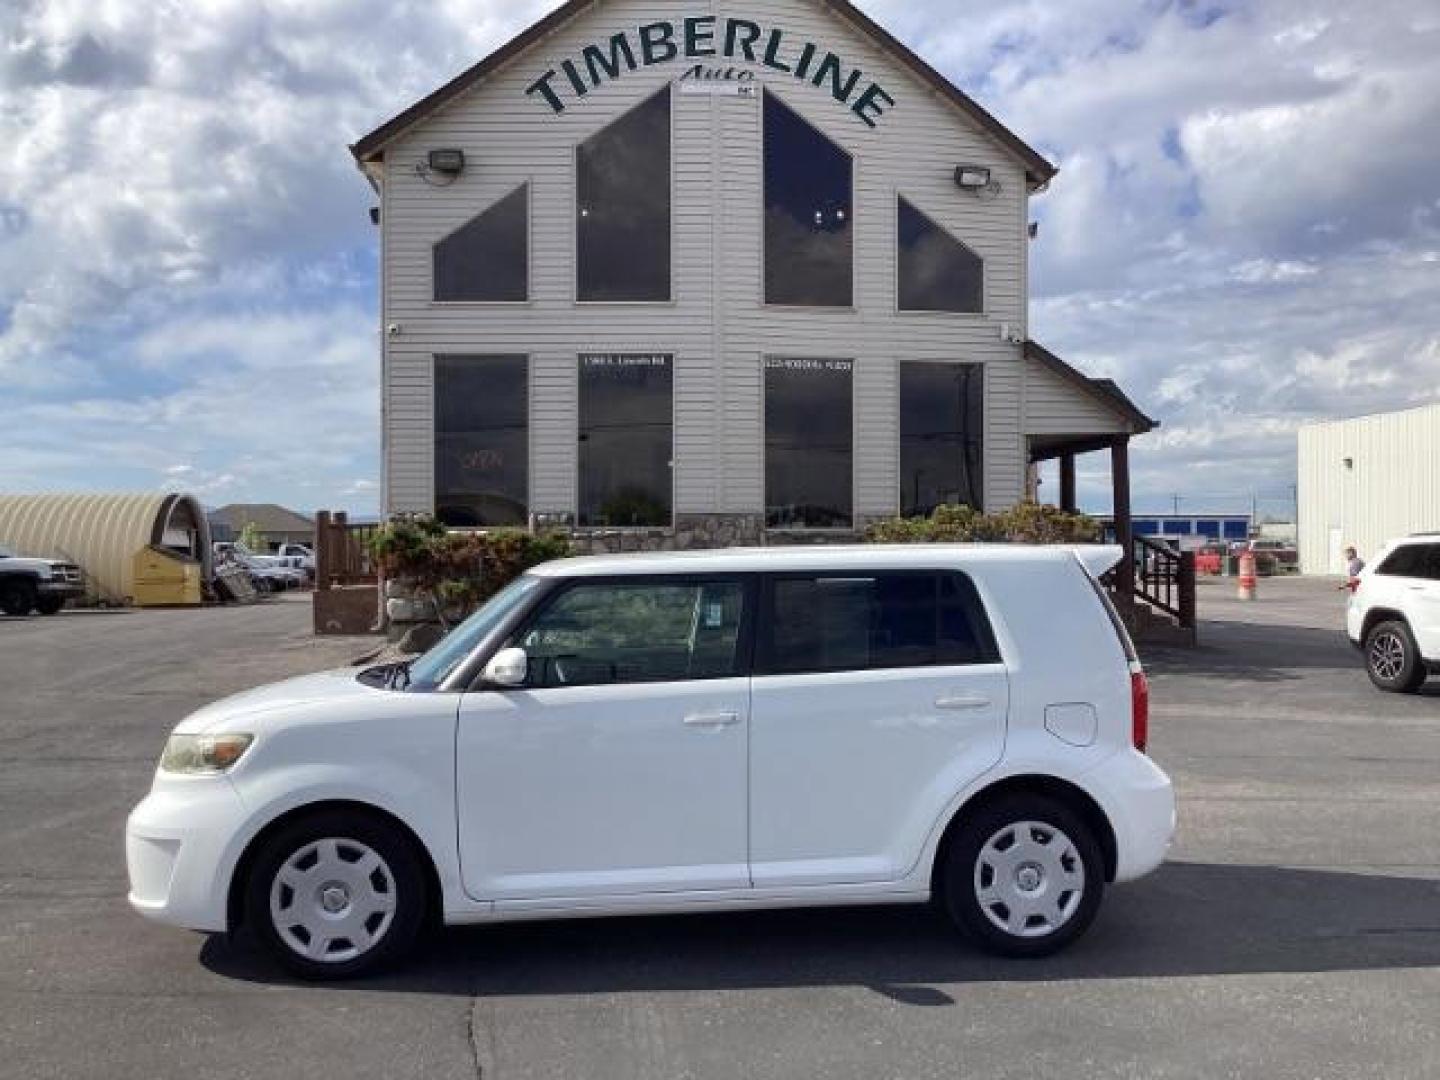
{"points": [[708, 37]]}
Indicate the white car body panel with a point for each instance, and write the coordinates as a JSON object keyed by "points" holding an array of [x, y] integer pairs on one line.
{"points": [[792, 790], [1415, 599]]}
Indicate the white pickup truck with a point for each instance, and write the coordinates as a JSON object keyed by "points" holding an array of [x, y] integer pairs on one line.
{"points": [[41, 585]]}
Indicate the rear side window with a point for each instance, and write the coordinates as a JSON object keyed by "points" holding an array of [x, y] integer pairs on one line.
{"points": [[1413, 561], [819, 623]]}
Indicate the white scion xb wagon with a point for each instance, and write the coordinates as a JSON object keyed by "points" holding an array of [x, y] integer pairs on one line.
{"points": [[685, 732]]}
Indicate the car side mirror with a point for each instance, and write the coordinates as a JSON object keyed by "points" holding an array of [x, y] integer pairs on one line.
{"points": [[507, 669]]}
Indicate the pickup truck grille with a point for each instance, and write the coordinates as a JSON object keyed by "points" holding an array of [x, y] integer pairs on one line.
{"points": [[68, 573]]}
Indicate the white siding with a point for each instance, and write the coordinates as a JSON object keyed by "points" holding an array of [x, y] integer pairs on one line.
{"points": [[1392, 488], [717, 327], [1054, 406]]}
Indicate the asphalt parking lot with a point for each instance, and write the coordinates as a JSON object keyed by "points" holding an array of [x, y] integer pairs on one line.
{"points": [[1296, 932]]}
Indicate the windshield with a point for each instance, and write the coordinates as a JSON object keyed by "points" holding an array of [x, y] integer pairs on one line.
{"points": [[430, 670]]}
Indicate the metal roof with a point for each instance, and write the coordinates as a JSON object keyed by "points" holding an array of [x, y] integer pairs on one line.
{"points": [[100, 533]]}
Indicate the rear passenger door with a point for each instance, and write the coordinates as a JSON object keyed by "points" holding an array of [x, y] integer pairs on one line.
{"points": [[875, 698]]}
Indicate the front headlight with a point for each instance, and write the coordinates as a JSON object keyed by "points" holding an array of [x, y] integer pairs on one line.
{"points": [[201, 754]]}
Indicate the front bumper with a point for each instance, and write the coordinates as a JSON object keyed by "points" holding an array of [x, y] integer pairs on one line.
{"points": [[67, 589], [1139, 801], [178, 850]]}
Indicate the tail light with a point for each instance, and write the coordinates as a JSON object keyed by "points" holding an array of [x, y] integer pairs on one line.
{"points": [[1139, 709]]}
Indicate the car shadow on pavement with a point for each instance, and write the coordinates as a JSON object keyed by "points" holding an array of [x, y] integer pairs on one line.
{"points": [[1188, 919], [1251, 652]]}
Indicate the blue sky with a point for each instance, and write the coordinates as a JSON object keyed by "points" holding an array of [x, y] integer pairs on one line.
{"points": [[1245, 231]]}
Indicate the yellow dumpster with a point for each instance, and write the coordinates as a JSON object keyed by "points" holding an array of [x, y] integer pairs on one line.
{"points": [[164, 578]]}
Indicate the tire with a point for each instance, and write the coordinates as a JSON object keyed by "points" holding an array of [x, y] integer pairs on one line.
{"points": [[316, 909], [1033, 905], [1392, 658], [17, 596], [49, 605]]}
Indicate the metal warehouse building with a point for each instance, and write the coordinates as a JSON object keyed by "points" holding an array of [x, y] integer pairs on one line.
{"points": [[711, 273], [1367, 481]]}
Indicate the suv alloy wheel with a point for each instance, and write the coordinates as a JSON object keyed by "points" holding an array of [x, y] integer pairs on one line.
{"points": [[1393, 659]]}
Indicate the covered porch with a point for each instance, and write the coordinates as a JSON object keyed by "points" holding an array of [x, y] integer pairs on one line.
{"points": [[1069, 414]]}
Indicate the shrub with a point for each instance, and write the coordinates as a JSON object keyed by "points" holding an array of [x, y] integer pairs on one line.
{"points": [[1027, 523], [458, 571]]}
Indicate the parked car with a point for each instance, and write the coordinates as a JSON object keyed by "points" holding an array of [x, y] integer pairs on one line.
{"points": [[1210, 558], [1286, 556], [268, 573], [299, 556], [677, 733], [41, 585], [1394, 614]]}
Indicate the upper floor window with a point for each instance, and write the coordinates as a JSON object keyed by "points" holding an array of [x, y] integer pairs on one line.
{"points": [[937, 272], [809, 233], [482, 440], [623, 206], [488, 258]]}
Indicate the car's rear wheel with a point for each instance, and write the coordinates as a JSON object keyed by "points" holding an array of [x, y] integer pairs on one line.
{"points": [[335, 895], [1392, 658], [1023, 876], [17, 596]]}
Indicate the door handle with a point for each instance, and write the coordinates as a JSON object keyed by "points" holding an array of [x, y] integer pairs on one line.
{"points": [[712, 720], [964, 701]]}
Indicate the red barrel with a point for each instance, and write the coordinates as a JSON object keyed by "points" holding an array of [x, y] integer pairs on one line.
{"points": [[1249, 579]]}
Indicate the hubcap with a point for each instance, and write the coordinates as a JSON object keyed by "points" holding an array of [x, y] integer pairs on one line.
{"points": [[333, 900], [1029, 879], [1387, 656]]}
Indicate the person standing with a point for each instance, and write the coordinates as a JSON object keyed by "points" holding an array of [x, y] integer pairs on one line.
{"points": [[1353, 566]]}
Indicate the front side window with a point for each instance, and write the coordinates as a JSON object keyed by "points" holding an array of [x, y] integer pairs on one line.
{"points": [[942, 436], [623, 207], [866, 622], [482, 436], [809, 443], [606, 633], [626, 423], [809, 234], [488, 258], [937, 271]]}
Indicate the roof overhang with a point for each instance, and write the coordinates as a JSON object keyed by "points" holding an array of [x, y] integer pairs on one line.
{"points": [[370, 150], [1104, 392]]}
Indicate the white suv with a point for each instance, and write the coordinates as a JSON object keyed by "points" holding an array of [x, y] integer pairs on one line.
{"points": [[1394, 613], [677, 733]]}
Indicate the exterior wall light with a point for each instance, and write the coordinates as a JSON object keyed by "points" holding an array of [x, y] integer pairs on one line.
{"points": [[972, 177], [447, 162]]}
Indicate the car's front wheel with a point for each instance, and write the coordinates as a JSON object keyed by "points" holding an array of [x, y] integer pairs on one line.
{"points": [[334, 895], [50, 605], [1392, 658], [1023, 876]]}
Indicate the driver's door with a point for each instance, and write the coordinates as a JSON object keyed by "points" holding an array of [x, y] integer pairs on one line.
{"points": [[620, 767]]}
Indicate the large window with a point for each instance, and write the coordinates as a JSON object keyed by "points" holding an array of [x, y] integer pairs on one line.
{"points": [[481, 440], [859, 622], [626, 442], [809, 445], [937, 272], [1413, 561], [809, 234], [623, 206], [488, 258], [603, 633], [942, 436]]}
